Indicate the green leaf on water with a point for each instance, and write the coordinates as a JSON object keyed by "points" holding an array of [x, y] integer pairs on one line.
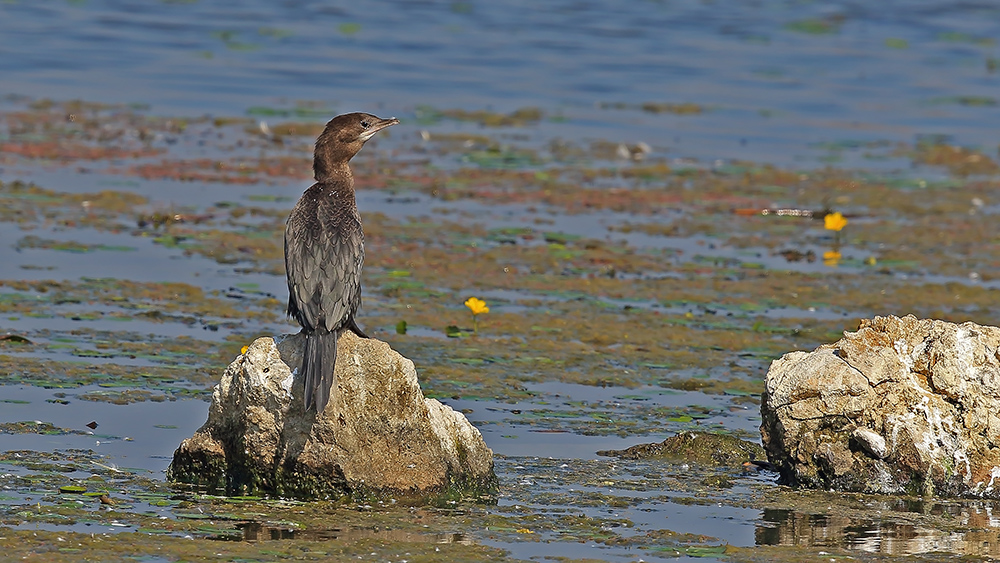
{"points": [[193, 515], [813, 26], [268, 112], [401, 327], [349, 28], [560, 238], [75, 489], [268, 197], [705, 551]]}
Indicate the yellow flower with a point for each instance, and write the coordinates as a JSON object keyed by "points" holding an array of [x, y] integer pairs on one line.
{"points": [[477, 306], [831, 258], [244, 349], [524, 531], [834, 221]]}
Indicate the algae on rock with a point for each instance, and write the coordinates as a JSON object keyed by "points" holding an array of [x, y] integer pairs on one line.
{"points": [[707, 448], [378, 436]]}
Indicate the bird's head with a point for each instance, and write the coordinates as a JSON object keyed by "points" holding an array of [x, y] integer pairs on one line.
{"points": [[342, 138]]}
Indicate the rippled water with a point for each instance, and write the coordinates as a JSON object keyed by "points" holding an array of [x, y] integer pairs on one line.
{"points": [[774, 77]]}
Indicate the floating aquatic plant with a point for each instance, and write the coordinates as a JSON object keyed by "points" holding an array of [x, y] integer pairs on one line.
{"points": [[834, 221], [478, 307]]}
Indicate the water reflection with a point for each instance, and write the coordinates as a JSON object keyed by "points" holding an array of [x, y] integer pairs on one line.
{"points": [[261, 531], [910, 527]]}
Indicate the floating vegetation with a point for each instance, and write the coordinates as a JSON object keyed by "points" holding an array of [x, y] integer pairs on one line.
{"points": [[960, 37], [517, 118], [816, 26], [646, 279], [686, 108], [960, 161], [35, 427], [349, 28], [969, 101], [69, 246]]}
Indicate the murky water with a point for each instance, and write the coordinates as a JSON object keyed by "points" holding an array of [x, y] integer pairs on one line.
{"points": [[714, 88]]}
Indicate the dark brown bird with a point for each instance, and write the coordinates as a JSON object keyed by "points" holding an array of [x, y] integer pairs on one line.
{"points": [[324, 249]]}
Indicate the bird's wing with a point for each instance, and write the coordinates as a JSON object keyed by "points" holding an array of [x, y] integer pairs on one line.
{"points": [[324, 250], [300, 267]]}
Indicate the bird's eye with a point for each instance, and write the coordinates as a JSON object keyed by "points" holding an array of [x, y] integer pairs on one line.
{"points": [[365, 124]]}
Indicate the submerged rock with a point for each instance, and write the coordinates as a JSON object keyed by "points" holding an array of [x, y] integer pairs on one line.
{"points": [[378, 435], [901, 406], [706, 448]]}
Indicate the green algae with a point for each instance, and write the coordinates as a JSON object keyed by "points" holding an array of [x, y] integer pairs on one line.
{"points": [[577, 310], [517, 118], [815, 26], [36, 427], [557, 501], [129, 547], [695, 447], [117, 298], [685, 108], [138, 505]]}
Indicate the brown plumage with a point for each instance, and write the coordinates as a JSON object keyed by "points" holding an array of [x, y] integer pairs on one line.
{"points": [[324, 249]]}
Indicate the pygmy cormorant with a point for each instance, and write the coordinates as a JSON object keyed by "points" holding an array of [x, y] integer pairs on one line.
{"points": [[324, 249]]}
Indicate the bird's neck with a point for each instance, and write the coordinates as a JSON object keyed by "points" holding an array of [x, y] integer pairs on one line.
{"points": [[337, 190], [333, 172]]}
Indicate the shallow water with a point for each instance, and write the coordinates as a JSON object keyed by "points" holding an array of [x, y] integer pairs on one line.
{"points": [[687, 321]]}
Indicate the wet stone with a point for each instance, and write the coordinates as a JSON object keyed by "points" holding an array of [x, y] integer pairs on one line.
{"points": [[902, 406], [379, 436], [706, 448]]}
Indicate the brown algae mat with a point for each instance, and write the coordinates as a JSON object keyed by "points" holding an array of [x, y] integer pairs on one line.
{"points": [[625, 274]]}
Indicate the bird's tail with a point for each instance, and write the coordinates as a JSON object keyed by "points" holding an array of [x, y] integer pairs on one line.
{"points": [[319, 359]]}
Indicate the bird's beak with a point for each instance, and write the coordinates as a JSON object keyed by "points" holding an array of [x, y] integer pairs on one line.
{"points": [[378, 126]]}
